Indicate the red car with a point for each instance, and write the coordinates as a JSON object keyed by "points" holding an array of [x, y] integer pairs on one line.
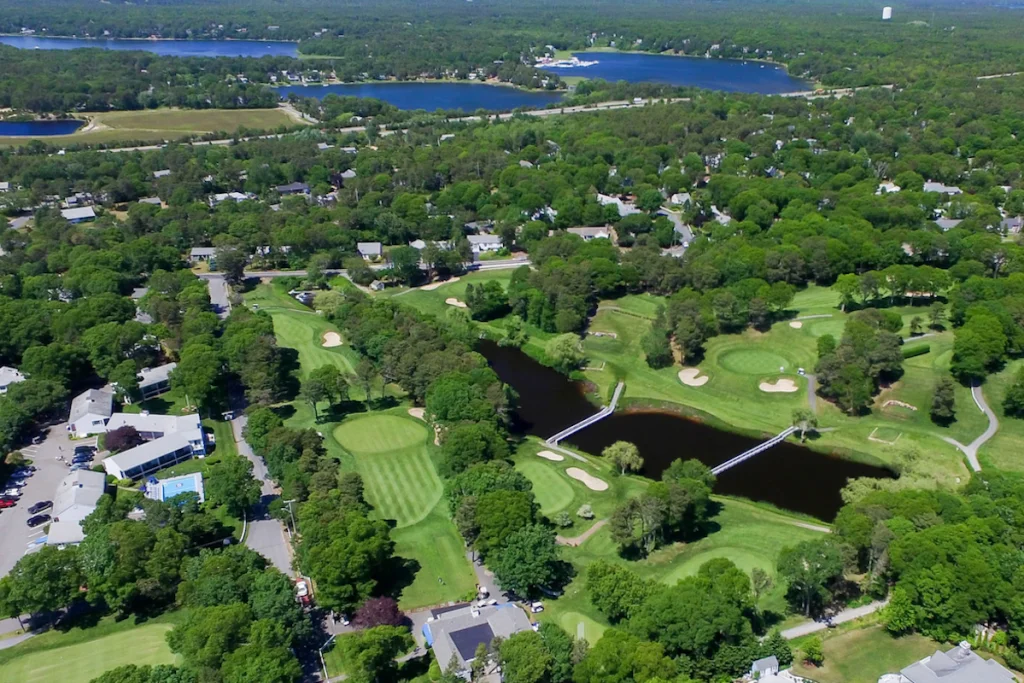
{"points": [[7, 503]]}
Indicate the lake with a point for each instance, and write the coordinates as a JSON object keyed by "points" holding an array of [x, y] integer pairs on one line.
{"points": [[730, 75], [432, 96], [789, 476], [40, 128], [167, 48]]}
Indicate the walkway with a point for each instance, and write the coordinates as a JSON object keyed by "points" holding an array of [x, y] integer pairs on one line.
{"points": [[812, 392], [582, 538], [583, 424], [971, 450], [756, 450], [842, 617]]}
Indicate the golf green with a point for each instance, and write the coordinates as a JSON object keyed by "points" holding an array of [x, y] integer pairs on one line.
{"points": [[748, 361], [380, 433]]}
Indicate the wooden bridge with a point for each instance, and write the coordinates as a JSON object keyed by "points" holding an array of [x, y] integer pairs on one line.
{"points": [[583, 424], [756, 450]]}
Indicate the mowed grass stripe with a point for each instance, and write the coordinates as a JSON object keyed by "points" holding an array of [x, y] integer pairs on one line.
{"points": [[304, 332]]}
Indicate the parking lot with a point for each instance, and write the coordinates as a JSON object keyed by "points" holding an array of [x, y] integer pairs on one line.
{"points": [[16, 539]]}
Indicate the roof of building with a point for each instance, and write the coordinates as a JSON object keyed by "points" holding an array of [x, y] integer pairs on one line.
{"points": [[420, 244], [1012, 223], [91, 402], [948, 223], [460, 631], [162, 173], [483, 239], [65, 533], [147, 422], [625, 208], [765, 664], [151, 450], [349, 174], [370, 248], [957, 665], [19, 223], [82, 487], [204, 251], [932, 186], [9, 375], [292, 188], [139, 292], [78, 214], [155, 201], [589, 232], [151, 376]]}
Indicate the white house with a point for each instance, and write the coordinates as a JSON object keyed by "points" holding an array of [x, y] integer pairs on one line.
{"points": [[484, 243], [9, 376], [932, 186], [221, 197], [90, 411], [625, 208], [370, 251], [591, 233], [202, 254], [170, 440], [680, 199], [947, 223], [766, 666], [887, 187], [155, 381], [958, 665], [79, 215], [162, 173], [76, 498]]}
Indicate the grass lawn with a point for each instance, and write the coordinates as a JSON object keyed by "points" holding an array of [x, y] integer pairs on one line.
{"points": [[863, 655], [1006, 449], [157, 125], [80, 655]]}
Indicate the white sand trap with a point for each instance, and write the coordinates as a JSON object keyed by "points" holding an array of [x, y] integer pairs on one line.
{"points": [[331, 339], [691, 377], [796, 324], [440, 283], [782, 385], [452, 301], [548, 455], [418, 413], [589, 480]]}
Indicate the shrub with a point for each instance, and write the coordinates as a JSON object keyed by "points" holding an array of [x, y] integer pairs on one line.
{"points": [[585, 511], [562, 519], [914, 351]]}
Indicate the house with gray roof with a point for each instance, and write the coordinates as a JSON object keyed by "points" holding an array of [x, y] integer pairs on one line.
{"points": [[370, 251], [202, 254], [90, 411], [958, 665], [948, 223], [483, 243], [9, 376], [79, 215], [171, 439], [1011, 225], [75, 499], [764, 667], [292, 188], [459, 632], [932, 186], [588, 233], [155, 381]]}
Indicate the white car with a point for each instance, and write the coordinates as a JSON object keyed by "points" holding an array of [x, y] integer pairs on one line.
{"points": [[12, 492], [537, 607]]}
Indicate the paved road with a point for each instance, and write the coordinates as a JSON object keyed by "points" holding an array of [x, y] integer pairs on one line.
{"points": [[265, 535], [842, 617], [682, 229], [16, 539], [971, 450], [270, 274], [220, 294]]}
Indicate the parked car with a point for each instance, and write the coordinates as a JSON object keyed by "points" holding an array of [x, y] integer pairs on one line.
{"points": [[81, 458], [36, 508], [38, 439], [23, 473], [15, 483], [38, 520], [537, 607], [7, 502], [12, 493], [79, 466]]}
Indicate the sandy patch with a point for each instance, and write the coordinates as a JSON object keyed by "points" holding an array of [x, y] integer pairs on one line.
{"points": [[691, 377], [440, 283], [331, 339], [452, 301], [796, 324], [589, 480], [782, 385], [548, 455], [418, 413]]}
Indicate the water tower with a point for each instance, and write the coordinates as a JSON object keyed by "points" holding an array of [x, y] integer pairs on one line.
{"points": [[886, 13]]}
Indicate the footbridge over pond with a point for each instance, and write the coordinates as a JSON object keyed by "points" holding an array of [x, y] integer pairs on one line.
{"points": [[756, 450], [583, 424]]}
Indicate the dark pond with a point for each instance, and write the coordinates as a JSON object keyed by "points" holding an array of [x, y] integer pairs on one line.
{"points": [[433, 96], [788, 476], [167, 48], [40, 128], [731, 75]]}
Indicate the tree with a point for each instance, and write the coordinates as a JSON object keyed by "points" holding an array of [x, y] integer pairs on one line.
{"points": [[900, 614], [915, 325], [209, 634], [615, 590], [639, 523], [809, 569], [936, 316], [1013, 403], [657, 348], [382, 611], [848, 285], [487, 301], [499, 514], [760, 582], [813, 652], [805, 421], [265, 658], [468, 444], [943, 410], [625, 455], [372, 652], [528, 561], [564, 352], [231, 484], [122, 438], [619, 657], [366, 374], [162, 673], [313, 391], [515, 335], [776, 644], [199, 368], [44, 581], [524, 658]]}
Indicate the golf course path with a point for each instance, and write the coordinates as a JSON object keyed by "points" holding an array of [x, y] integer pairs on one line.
{"points": [[971, 450], [582, 538], [812, 392], [809, 627]]}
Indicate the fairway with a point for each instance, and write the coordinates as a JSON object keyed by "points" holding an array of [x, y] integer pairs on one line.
{"points": [[552, 489], [435, 545], [303, 331], [85, 661], [752, 361]]}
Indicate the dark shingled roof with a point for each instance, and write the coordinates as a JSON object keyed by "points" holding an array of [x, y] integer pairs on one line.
{"points": [[469, 639]]}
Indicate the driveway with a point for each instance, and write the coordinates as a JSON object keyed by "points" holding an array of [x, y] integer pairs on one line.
{"points": [[839, 618], [219, 295], [16, 539]]}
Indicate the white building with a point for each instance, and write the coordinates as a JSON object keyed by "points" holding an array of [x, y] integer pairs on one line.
{"points": [[484, 243], [170, 440], [932, 186], [680, 199], [958, 665], [155, 381], [9, 376], [90, 411], [886, 13], [79, 215], [590, 233], [370, 251], [625, 208], [76, 498], [887, 187], [202, 254]]}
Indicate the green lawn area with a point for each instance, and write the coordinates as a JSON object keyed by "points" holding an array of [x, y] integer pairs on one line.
{"points": [[863, 655], [163, 124], [1006, 449], [80, 655]]}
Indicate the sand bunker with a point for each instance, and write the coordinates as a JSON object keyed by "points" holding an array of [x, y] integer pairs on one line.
{"points": [[452, 301], [589, 480], [331, 339], [548, 455], [689, 377], [418, 413], [782, 385], [440, 283], [796, 324]]}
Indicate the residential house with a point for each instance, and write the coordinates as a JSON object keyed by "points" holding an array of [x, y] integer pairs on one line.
{"points": [[19, 223], [766, 666], [348, 174], [680, 199], [458, 632], [221, 197], [323, 146], [932, 186], [376, 286], [591, 233], [5, 186], [957, 665], [887, 187], [480, 227], [9, 376], [90, 411], [75, 499], [625, 208], [155, 381], [480, 244], [523, 163], [292, 188], [444, 245], [163, 490], [163, 173], [948, 223], [370, 251], [174, 439], [349, 150], [155, 201], [200, 254], [79, 215], [1011, 225]]}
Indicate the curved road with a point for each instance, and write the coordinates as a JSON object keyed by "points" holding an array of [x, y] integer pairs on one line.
{"points": [[971, 450]]}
